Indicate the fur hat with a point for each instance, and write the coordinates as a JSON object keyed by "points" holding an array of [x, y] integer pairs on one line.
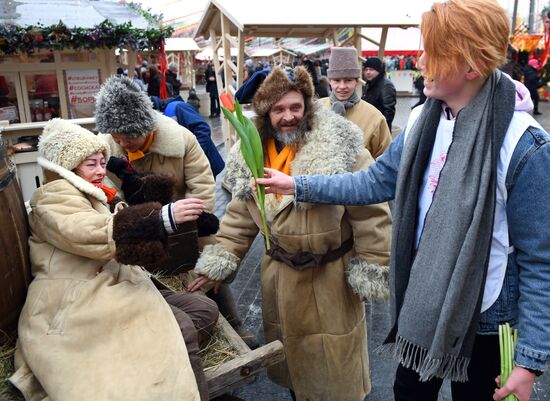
{"points": [[123, 108], [66, 144], [375, 63], [343, 63], [277, 84]]}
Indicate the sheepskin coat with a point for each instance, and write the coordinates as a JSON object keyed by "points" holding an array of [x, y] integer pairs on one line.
{"points": [[376, 134], [92, 329], [314, 312], [174, 151]]}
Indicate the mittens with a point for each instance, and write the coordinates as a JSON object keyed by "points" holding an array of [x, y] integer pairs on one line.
{"points": [[139, 188], [139, 235]]}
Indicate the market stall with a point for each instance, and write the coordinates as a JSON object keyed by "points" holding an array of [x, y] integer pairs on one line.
{"points": [[53, 58], [227, 23], [179, 52]]}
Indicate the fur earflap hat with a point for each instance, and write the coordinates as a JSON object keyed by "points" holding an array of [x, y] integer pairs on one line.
{"points": [[123, 108], [343, 63], [66, 144], [277, 84]]}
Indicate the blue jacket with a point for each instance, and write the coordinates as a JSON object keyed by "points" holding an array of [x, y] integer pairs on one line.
{"points": [[188, 117], [525, 296]]}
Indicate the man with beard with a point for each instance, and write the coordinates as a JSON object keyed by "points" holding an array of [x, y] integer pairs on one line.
{"points": [[323, 259], [343, 73]]}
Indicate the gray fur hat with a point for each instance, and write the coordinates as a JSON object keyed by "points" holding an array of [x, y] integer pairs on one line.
{"points": [[123, 108], [343, 63]]}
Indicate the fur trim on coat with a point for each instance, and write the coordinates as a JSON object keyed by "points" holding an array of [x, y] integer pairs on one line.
{"points": [[331, 147], [168, 141], [369, 281], [217, 263]]}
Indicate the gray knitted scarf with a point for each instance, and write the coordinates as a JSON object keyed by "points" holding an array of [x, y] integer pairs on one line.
{"points": [[340, 107], [436, 294]]}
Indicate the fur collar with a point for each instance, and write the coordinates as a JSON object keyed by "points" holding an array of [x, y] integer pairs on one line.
{"points": [[169, 140], [78, 182], [331, 147]]}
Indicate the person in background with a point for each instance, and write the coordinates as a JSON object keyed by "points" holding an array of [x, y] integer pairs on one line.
{"points": [[193, 99], [533, 82], [153, 82], [212, 89], [90, 311], [138, 80], [186, 116], [323, 260], [154, 143], [379, 90], [459, 269], [344, 73], [172, 79]]}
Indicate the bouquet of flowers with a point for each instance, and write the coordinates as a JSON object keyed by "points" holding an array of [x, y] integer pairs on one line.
{"points": [[507, 339]]}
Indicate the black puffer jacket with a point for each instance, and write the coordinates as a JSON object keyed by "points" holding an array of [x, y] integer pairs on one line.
{"points": [[380, 92]]}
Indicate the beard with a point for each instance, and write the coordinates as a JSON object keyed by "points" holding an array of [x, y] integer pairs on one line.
{"points": [[294, 138]]}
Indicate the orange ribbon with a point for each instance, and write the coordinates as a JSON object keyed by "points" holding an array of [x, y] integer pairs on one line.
{"points": [[109, 192], [138, 154], [279, 160]]}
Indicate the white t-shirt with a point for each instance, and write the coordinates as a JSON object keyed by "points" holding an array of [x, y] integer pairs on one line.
{"points": [[500, 243]]}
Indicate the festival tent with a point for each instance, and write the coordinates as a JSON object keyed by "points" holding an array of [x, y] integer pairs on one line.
{"points": [[228, 23]]}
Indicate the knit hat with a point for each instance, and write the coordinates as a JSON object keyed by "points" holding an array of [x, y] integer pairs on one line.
{"points": [[66, 144], [277, 84], [534, 63], [375, 63], [123, 108], [343, 63]]}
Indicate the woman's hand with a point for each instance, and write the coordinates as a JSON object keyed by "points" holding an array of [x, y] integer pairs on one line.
{"points": [[197, 283], [277, 182], [520, 383], [187, 209]]}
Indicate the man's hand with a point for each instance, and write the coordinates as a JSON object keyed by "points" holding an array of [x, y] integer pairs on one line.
{"points": [[197, 283], [277, 182], [520, 383], [187, 209]]}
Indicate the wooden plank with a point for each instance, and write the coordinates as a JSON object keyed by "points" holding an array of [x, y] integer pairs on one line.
{"points": [[231, 335], [241, 369]]}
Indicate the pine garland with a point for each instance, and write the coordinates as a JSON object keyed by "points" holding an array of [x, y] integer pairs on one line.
{"points": [[17, 39]]}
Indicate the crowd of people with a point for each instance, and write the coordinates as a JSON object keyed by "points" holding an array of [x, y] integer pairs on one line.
{"points": [[464, 248]]}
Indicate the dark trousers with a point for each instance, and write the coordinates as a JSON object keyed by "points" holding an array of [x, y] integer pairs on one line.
{"points": [[196, 316], [214, 103], [484, 367]]}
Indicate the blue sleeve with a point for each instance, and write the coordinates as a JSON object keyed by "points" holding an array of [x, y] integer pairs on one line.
{"points": [[527, 210], [190, 118], [365, 187]]}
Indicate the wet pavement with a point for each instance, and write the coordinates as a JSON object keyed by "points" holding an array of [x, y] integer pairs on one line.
{"points": [[247, 292]]}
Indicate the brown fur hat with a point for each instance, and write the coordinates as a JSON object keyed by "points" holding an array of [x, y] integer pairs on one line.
{"points": [[277, 84]]}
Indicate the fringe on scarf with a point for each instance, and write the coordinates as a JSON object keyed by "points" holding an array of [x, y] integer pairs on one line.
{"points": [[415, 357]]}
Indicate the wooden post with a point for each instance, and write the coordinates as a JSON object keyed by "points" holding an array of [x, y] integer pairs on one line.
{"points": [[382, 46], [240, 59]]}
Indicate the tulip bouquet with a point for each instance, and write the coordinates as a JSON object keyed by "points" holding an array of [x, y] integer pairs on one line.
{"points": [[507, 339], [251, 149]]}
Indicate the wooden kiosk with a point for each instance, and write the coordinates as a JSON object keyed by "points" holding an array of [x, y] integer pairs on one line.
{"points": [[229, 22]]}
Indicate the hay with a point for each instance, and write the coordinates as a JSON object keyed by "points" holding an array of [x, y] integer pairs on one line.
{"points": [[7, 349], [218, 350]]}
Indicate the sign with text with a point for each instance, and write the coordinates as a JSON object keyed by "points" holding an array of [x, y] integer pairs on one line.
{"points": [[82, 86]]}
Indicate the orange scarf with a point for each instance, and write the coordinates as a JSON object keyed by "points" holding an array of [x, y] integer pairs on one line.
{"points": [[109, 192], [138, 154], [279, 161]]}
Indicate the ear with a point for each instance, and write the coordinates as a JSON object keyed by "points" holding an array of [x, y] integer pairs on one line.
{"points": [[472, 75]]}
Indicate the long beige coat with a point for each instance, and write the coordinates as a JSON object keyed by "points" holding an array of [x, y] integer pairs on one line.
{"points": [[92, 329], [174, 151], [314, 312], [376, 134]]}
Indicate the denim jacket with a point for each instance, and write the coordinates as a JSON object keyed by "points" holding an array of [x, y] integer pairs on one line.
{"points": [[524, 300]]}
